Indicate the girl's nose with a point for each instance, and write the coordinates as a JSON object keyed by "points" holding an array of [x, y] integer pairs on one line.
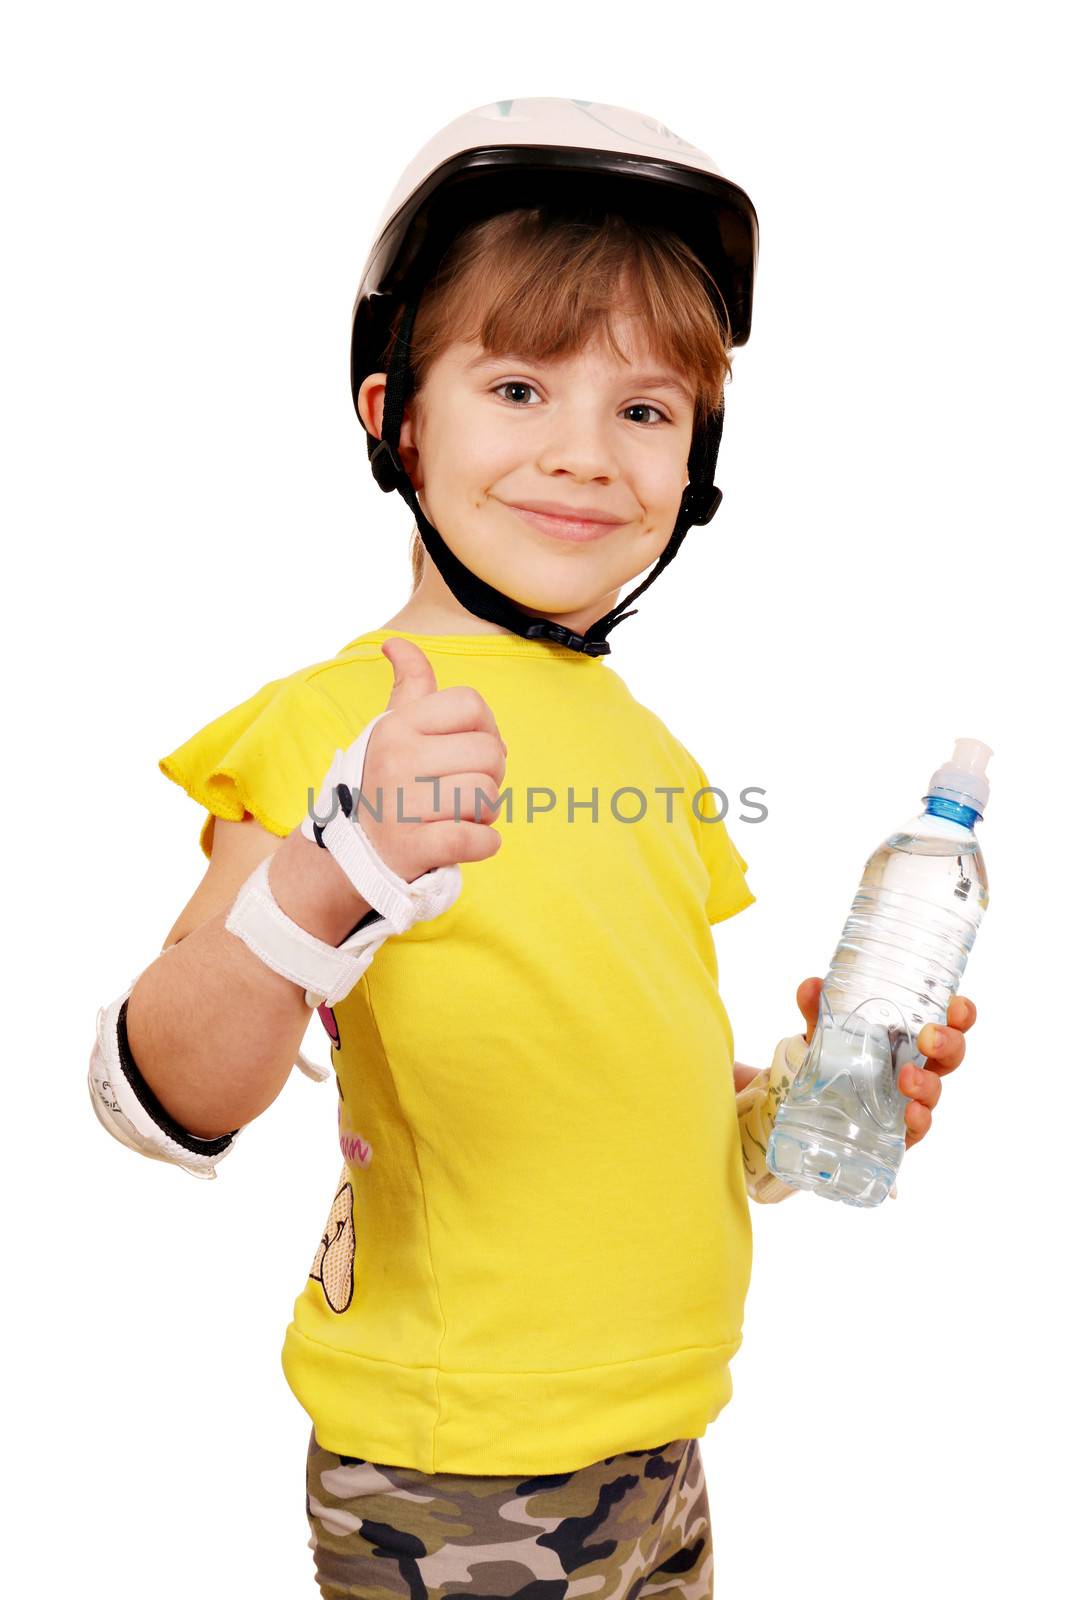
{"points": [[581, 447]]}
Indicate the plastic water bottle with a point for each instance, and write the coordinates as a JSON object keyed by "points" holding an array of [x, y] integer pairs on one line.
{"points": [[840, 1129]]}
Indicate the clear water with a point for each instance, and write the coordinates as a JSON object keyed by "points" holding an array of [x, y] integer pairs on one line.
{"points": [[840, 1130]]}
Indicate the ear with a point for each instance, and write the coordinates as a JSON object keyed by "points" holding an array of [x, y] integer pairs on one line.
{"points": [[371, 407]]}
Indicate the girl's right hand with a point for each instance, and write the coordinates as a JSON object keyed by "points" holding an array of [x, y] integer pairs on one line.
{"points": [[448, 734]]}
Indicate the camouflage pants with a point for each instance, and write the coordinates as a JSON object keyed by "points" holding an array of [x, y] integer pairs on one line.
{"points": [[633, 1524]]}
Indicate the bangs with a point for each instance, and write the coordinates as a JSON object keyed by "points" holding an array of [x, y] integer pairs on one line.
{"points": [[529, 284]]}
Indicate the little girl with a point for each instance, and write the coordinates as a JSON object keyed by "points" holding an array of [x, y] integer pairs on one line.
{"points": [[493, 872]]}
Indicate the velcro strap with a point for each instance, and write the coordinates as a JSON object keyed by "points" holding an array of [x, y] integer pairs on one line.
{"points": [[324, 972], [400, 903]]}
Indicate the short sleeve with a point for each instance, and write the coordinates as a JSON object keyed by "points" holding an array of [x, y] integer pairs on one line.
{"points": [[728, 892], [261, 757]]}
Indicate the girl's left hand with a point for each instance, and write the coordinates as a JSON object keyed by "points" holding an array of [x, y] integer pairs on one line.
{"points": [[944, 1048]]}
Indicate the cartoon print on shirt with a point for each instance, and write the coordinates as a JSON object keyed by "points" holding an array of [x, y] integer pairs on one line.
{"points": [[336, 1254], [334, 1263], [355, 1149], [329, 1022]]}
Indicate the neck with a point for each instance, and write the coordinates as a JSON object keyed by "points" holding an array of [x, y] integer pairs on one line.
{"points": [[434, 609]]}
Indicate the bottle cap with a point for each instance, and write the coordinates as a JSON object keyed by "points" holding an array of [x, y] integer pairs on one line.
{"points": [[963, 778]]}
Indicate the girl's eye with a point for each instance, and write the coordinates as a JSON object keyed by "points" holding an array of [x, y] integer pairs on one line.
{"points": [[514, 389], [644, 407], [512, 384]]}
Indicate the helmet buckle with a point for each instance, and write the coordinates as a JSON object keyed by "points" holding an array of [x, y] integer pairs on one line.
{"points": [[700, 502], [387, 466]]}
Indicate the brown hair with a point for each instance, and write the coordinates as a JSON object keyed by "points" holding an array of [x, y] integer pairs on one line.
{"points": [[544, 285]]}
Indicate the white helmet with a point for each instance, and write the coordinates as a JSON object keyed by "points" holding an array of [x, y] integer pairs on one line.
{"points": [[566, 155]]}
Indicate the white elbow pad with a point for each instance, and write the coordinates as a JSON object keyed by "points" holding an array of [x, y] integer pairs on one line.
{"points": [[327, 973], [757, 1107], [130, 1111]]}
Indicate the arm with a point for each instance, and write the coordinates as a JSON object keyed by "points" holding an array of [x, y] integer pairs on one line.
{"points": [[212, 1028], [204, 1038], [211, 1011]]}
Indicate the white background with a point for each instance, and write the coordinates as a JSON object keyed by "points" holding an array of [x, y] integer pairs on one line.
{"points": [[189, 193]]}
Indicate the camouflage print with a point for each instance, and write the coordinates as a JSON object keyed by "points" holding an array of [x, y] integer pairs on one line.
{"points": [[633, 1524]]}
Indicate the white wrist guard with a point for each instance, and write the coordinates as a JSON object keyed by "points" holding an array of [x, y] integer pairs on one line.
{"points": [[757, 1107], [326, 972]]}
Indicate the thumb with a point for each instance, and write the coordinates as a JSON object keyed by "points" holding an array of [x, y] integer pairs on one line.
{"points": [[413, 676], [808, 1001]]}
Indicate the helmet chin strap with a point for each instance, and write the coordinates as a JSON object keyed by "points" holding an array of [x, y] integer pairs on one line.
{"points": [[700, 501]]}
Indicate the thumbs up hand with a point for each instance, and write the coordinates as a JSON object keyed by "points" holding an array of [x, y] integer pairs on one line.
{"points": [[445, 734]]}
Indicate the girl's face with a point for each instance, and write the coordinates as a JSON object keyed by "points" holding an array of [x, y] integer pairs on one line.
{"points": [[555, 481]]}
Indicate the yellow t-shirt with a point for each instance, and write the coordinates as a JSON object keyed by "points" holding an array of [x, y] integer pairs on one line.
{"points": [[539, 1248]]}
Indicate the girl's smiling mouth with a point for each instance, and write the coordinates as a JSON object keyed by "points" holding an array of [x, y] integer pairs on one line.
{"points": [[566, 525]]}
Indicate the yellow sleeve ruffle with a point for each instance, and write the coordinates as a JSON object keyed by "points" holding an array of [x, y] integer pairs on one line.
{"points": [[261, 757]]}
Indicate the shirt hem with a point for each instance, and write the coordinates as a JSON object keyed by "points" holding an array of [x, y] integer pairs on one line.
{"points": [[503, 1423]]}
